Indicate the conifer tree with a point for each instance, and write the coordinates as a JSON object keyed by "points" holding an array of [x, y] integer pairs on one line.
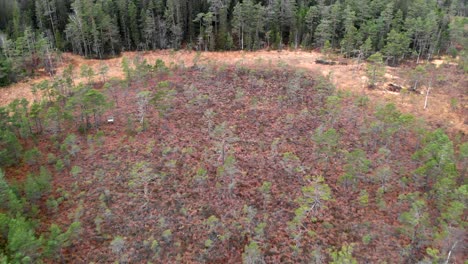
{"points": [[375, 68]]}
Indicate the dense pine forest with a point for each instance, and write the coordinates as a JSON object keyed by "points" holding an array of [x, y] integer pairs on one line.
{"points": [[398, 29]]}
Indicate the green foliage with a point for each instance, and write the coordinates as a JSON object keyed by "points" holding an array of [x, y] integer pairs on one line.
{"points": [[160, 66], [10, 151], [36, 186], [70, 146], [383, 174], [58, 239], [32, 189], [117, 245], [326, 48], [92, 30], [23, 244], [103, 70], [103, 29], [364, 198], [141, 175], [87, 72], [366, 239], [201, 174], [229, 166], [418, 76], [391, 121], [343, 256], [24, 54], [5, 71], [142, 68], [11, 201], [52, 205], [208, 243], [415, 221], [438, 158], [59, 165], [265, 188], [167, 235], [366, 48], [128, 71], [20, 241], [375, 68], [75, 171], [315, 194], [32, 156], [248, 23], [313, 199], [397, 45], [291, 163], [252, 254], [94, 103], [163, 97], [357, 165], [327, 140]]}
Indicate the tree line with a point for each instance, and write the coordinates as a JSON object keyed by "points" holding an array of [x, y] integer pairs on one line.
{"points": [[98, 28], [103, 28]]}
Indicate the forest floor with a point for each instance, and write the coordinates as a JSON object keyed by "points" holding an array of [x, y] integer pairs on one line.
{"points": [[447, 104]]}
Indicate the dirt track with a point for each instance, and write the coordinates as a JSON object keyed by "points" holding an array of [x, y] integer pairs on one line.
{"points": [[345, 77]]}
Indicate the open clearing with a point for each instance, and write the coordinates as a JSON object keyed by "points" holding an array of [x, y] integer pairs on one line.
{"points": [[245, 155], [222, 163], [452, 86]]}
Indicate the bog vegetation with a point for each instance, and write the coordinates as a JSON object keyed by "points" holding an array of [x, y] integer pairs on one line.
{"points": [[217, 163]]}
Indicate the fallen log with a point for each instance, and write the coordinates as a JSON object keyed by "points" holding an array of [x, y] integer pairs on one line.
{"points": [[325, 62], [393, 87]]}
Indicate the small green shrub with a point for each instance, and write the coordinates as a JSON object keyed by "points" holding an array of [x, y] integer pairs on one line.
{"points": [[59, 165], [51, 158], [32, 156]]}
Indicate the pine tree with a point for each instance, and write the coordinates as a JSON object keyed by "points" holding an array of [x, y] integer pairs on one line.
{"points": [[438, 159], [91, 31], [375, 68], [10, 151], [22, 240], [94, 103], [133, 24], [5, 71], [351, 39], [46, 12], [149, 29], [239, 23], [366, 48], [323, 33], [122, 8], [222, 32], [397, 45], [415, 224], [312, 20], [173, 22]]}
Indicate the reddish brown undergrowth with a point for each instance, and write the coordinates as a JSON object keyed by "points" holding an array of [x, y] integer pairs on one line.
{"points": [[186, 185]]}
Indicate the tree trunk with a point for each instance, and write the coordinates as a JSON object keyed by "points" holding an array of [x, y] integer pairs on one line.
{"points": [[242, 34], [427, 96]]}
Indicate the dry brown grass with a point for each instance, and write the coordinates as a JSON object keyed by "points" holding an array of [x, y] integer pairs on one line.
{"points": [[349, 77]]}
